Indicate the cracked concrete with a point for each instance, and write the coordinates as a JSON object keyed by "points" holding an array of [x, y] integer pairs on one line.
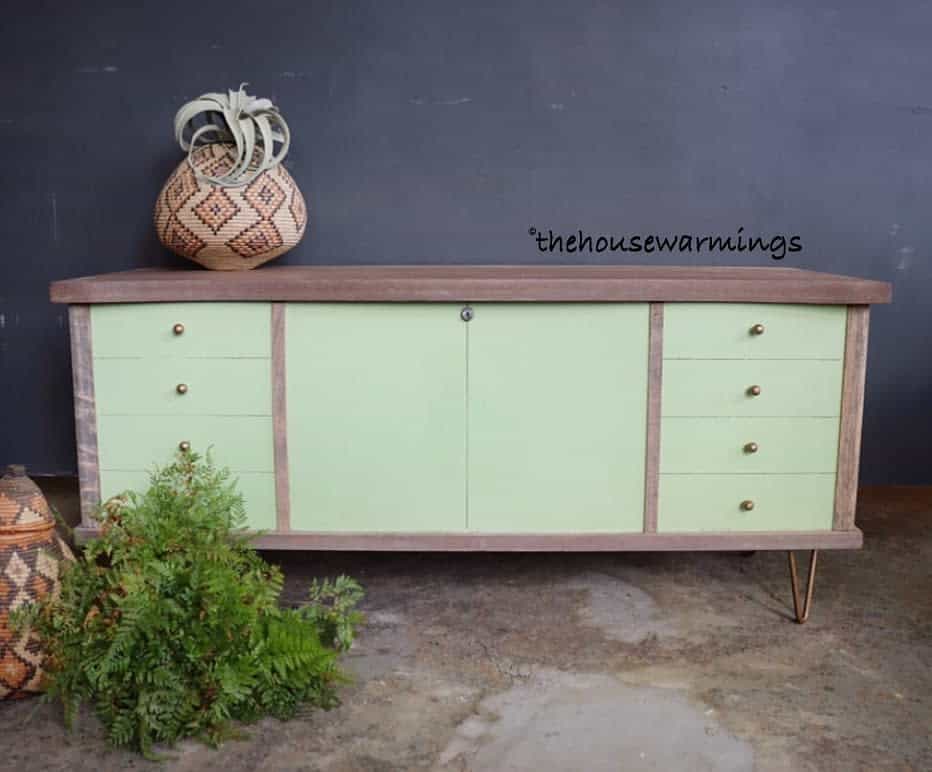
{"points": [[581, 661]]}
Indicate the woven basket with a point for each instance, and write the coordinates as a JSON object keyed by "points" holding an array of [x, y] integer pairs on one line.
{"points": [[30, 551], [228, 228]]}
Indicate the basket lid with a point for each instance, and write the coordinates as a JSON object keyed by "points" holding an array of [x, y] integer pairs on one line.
{"points": [[22, 505]]}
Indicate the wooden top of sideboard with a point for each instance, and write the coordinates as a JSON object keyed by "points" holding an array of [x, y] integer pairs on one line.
{"points": [[436, 283]]}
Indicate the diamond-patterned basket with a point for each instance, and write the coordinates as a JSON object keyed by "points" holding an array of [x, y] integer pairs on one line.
{"points": [[228, 228], [30, 551]]}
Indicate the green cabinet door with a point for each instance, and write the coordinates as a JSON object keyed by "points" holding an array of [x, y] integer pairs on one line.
{"points": [[557, 416], [376, 413]]}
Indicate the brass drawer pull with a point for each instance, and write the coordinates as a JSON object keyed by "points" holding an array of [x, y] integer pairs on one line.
{"points": [[757, 329], [747, 505], [751, 447], [184, 446], [182, 388], [178, 329], [755, 391]]}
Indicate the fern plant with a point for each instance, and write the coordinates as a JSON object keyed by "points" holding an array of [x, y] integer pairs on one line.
{"points": [[170, 625]]}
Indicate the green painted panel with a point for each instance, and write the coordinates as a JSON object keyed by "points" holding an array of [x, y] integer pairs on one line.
{"points": [[376, 416], [215, 386], [210, 330], [243, 443], [713, 503], [258, 490], [691, 503], [717, 445], [695, 387], [557, 414], [722, 331]]}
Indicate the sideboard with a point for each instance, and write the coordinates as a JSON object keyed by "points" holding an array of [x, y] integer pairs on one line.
{"points": [[487, 407]]}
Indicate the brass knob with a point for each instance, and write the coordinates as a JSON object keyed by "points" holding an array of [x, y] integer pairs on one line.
{"points": [[751, 447], [754, 391], [178, 328], [757, 329], [184, 446], [747, 505], [182, 388]]}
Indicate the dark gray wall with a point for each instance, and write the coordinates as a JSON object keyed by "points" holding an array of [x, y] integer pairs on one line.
{"points": [[441, 131]]}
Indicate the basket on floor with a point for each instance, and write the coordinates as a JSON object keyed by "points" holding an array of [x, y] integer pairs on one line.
{"points": [[30, 551]]}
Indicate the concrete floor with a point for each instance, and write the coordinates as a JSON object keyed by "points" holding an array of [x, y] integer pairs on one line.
{"points": [[596, 662]]}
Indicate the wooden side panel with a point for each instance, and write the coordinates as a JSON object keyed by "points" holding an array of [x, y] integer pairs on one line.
{"points": [[852, 417], [280, 420], [557, 416], [376, 417], [654, 399], [85, 410]]}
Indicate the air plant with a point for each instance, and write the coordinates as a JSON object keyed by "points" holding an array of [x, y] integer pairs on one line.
{"points": [[251, 126]]}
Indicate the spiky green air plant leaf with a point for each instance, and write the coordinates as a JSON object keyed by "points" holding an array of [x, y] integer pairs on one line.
{"points": [[251, 125]]}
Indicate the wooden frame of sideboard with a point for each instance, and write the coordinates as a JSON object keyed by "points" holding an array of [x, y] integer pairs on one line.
{"points": [[448, 284]]}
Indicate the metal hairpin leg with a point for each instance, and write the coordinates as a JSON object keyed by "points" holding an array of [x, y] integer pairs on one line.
{"points": [[802, 613]]}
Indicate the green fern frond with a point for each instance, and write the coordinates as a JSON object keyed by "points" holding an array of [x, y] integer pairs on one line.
{"points": [[170, 624]]}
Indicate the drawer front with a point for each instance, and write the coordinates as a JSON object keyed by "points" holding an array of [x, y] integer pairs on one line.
{"points": [[711, 503], [749, 445], [241, 443], [696, 388], [257, 489], [210, 330], [214, 386], [727, 331]]}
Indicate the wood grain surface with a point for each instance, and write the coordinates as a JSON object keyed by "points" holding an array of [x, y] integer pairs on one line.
{"points": [[852, 417], [588, 542], [85, 410], [430, 283], [654, 408], [280, 420]]}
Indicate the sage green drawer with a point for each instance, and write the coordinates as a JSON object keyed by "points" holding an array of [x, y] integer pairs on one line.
{"points": [[724, 331], [243, 443], [214, 386], [257, 489], [696, 387], [723, 445], [210, 330], [710, 503]]}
